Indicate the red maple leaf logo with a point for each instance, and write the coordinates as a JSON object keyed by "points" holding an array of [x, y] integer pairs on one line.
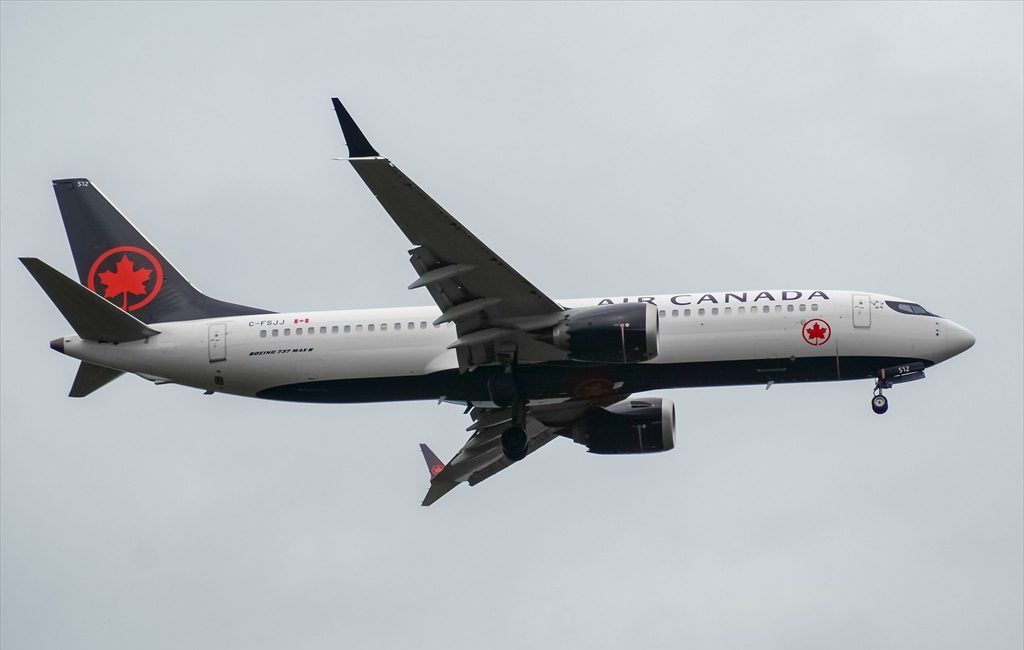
{"points": [[816, 332], [436, 469], [125, 280]]}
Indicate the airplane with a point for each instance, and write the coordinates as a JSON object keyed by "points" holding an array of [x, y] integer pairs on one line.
{"points": [[527, 368]]}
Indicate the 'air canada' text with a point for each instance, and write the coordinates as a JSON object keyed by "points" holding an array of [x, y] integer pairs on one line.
{"points": [[684, 299]]}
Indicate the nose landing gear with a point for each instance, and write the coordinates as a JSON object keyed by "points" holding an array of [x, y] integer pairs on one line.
{"points": [[879, 403], [889, 377]]}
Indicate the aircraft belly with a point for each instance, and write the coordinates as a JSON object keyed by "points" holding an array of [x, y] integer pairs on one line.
{"points": [[576, 380], [258, 371]]}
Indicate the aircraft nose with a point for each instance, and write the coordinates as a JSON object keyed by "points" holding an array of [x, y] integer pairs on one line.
{"points": [[958, 338]]}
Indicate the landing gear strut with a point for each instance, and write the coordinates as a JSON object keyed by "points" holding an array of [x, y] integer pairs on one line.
{"points": [[504, 392]]}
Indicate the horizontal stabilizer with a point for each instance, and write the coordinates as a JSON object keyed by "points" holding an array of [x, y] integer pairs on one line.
{"points": [[91, 316], [91, 378]]}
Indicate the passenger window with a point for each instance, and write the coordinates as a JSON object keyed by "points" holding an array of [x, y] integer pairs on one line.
{"points": [[411, 326], [662, 313], [766, 309], [701, 311], [741, 310], [728, 311], [359, 328], [323, 330], [273, 333], [778, 308], [398, 326], [814, 307], [348, 329], [675, 312], [423, 324], [287, 331], [714, 311], [437, 325], [789, 307], [803, 307], [334, 330], [298, 331], [369, 328], [263, 334], [686, 312]]}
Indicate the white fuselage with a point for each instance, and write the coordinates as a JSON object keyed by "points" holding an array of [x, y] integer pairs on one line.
{"points": [[246, 355]]}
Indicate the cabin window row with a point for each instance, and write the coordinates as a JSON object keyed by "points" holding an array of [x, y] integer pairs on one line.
{"points": [[346, 329], [727, 311]]}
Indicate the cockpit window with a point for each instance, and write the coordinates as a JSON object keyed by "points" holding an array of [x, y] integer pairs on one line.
{"points": [[910, 308]]}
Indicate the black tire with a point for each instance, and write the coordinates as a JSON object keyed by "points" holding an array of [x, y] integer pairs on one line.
{"points": [[879, 404], [514, 443], [502, 390]]}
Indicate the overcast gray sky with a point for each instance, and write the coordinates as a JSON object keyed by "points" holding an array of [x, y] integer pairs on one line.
{"points": [[602, 150]]}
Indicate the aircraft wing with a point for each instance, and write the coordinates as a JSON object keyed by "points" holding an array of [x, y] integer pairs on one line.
{"points": [[490, 303], [481, 457]]}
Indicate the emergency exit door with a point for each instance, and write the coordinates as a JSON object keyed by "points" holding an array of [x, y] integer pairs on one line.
{"points": [[218, 342]]}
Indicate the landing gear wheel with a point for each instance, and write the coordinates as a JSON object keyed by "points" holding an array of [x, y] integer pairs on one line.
{"points": [[514, 443], [503, 390], [879, 404]]}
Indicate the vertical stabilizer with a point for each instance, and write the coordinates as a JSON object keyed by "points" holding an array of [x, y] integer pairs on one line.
{"points": [[116, 261]]}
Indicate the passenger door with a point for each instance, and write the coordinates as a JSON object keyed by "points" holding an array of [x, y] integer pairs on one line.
{"points": [[218, 342], [861, 310]]}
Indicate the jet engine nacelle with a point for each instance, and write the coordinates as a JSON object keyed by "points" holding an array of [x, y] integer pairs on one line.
{"points": [[624, 333], [633, 426]]}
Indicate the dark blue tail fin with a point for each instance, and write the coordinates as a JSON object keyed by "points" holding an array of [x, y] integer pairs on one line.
{"points": [[116, 261]]}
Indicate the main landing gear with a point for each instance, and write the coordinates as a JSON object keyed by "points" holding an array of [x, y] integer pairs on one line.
{"points": [[889, 377], [515, 443], [503, 389]]}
